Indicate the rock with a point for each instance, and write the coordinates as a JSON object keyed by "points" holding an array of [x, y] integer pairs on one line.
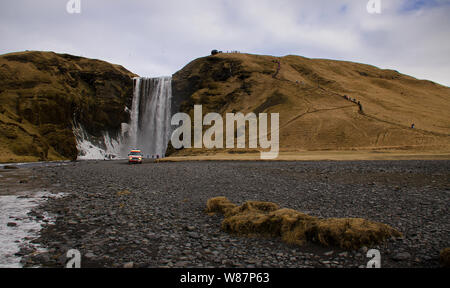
{"points": [[402, 256], [25, 251], [227, 262], [89, 255], [128, 265], [194, 235], [152, 236], [11, 224], [343, 254], [42, 258], [328, 253], [180, 264]]}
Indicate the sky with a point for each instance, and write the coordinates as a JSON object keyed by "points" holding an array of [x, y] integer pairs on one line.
{"points": [[156, 38]]}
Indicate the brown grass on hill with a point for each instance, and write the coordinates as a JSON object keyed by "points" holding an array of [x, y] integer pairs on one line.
{"points": [[268, 220], [309, 95]]}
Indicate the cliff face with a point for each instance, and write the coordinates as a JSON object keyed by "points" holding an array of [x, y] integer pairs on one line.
{"points": [[318, 101], [43, 94]]}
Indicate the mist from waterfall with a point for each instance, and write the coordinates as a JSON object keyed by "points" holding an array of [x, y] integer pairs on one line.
{"points": [[149, 129]]}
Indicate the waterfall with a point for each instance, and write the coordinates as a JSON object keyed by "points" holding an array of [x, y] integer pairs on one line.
{"points": [[149, 128], [134, 117]]}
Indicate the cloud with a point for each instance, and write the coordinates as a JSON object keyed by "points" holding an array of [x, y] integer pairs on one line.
{"points": [[153, 38]]}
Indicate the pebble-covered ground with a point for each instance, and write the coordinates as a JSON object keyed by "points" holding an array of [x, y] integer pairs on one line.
{"points": [[162, 223]]}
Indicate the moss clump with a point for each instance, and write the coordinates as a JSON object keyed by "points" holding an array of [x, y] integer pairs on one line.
{"points": [[268, 220], [445, 258]]}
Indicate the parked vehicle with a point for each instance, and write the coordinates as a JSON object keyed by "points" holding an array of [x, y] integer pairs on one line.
{"points": [[135, 156]]}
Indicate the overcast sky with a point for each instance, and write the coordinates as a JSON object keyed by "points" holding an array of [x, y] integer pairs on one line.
{"points": [[155, 37]]}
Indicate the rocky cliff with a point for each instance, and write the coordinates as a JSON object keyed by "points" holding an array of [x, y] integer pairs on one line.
{"points": [[44, 94]]}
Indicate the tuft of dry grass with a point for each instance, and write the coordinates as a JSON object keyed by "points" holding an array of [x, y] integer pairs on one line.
{"points": [[219, 205], [255, 207], [268, 220], [123, 193], [350, 233]]}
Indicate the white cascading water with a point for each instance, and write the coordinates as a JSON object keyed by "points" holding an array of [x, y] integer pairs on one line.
{"points": [[149, 128], [134, 117]]}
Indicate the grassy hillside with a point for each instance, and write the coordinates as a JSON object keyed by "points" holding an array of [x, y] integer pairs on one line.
{"points": [[310, 95], [43, 93]]}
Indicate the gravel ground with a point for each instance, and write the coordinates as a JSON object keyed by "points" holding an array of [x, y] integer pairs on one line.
{"points": [[162, 223]]}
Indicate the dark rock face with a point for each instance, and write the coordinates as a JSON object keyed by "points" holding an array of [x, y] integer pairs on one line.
{"points": [[42, 95], [204, 74]]}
